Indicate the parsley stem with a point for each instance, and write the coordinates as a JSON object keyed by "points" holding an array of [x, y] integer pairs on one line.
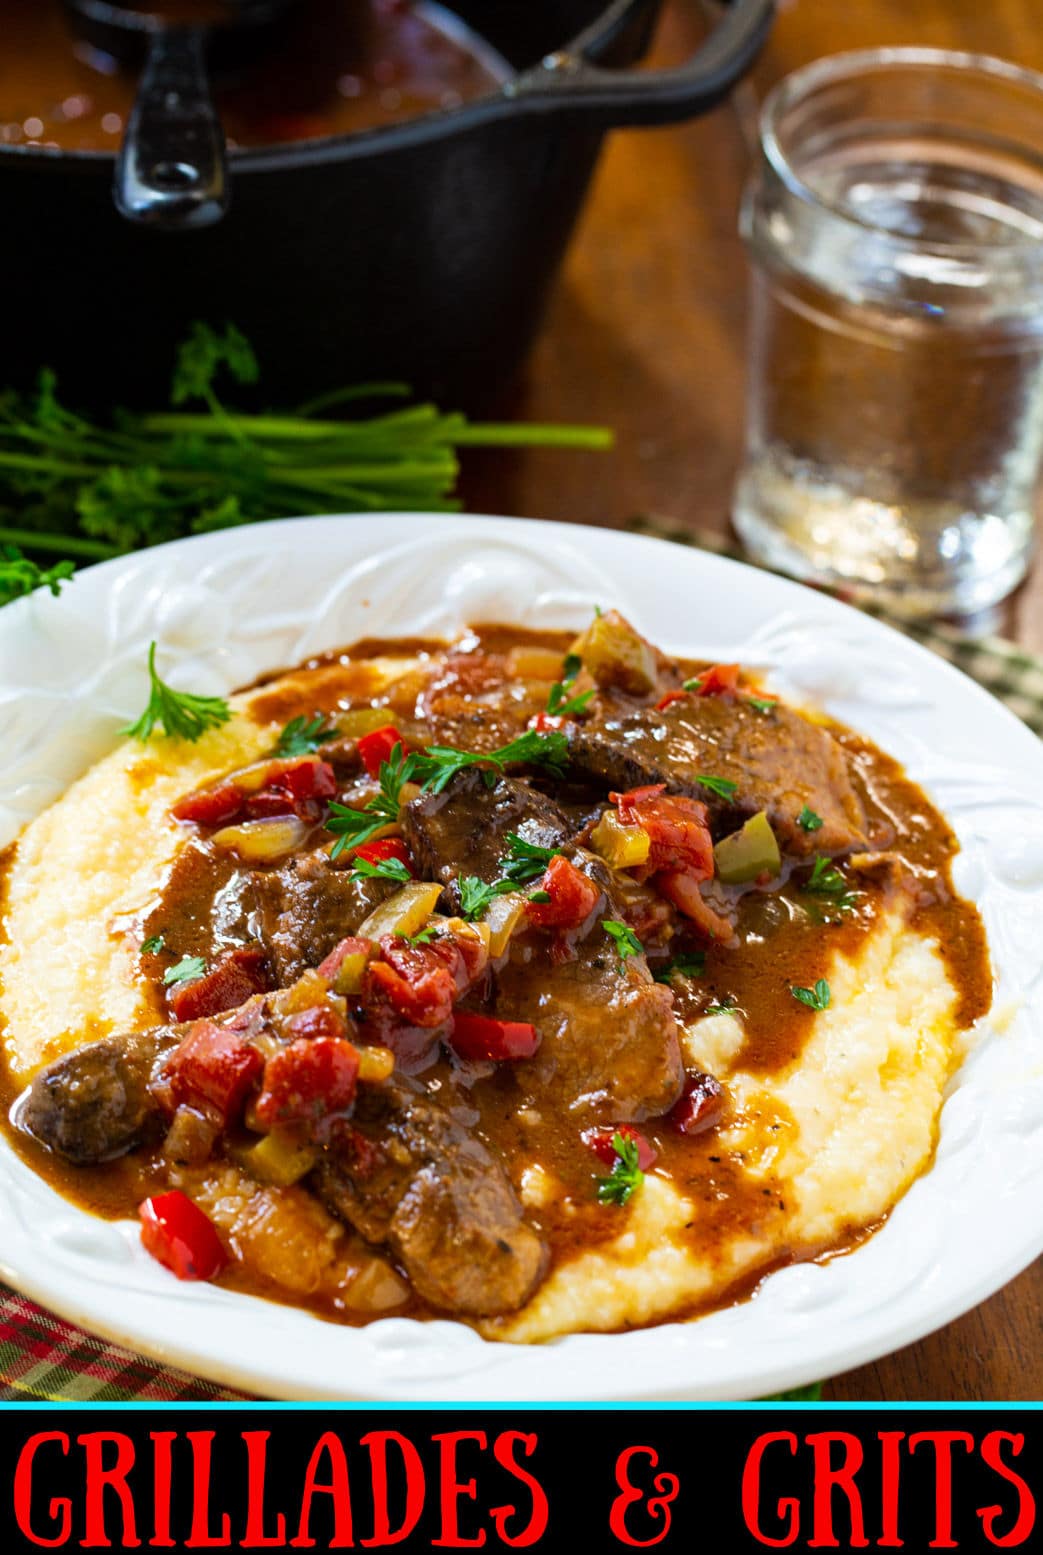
{"points": [[70, 545]]}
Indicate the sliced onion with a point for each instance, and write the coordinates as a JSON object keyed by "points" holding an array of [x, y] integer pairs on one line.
{"points": [[260, 842]]}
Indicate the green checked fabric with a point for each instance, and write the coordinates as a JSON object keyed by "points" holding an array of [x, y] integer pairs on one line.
{"points": [[42, 1357]]}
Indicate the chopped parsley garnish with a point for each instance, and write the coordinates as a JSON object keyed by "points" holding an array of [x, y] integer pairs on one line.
{"points": [[627, 942], [721, 1007], [826, 880], [807, 820], [434, 768], [475, 894], [724, 788], [153, 945], [382, 869], [354, 827], [439, 764], [625, 1177], [763, 704], [185, 971], [694, 684], [571, 666], [692, 964], [303, 735], [180, 712], [540, 896], [19, 575], [559, 707], [422, 936], [527, 860], [817, 998]]}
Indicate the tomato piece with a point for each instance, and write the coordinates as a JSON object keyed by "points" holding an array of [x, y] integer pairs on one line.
{"points": [[340, 953], [677, 828], [212, 1070], [482, 1036], [573, 896], [307, 1081], [419, 982], [718, 680], [181, 1237], [635, 796], [270, 801], [669, 698], [320, 1021], [544, 722], [210, 806], [382, 849], [700, 1106], [236, 977], [600, 1141], [376, 747]]}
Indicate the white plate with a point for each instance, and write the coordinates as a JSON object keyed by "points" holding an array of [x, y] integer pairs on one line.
{"points": [[226, 607]]}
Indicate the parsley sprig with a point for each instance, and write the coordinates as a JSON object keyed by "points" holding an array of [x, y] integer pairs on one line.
{"points": [[826, 881], [19, 575], [184, 971], [380, 869], [817, 998], [180, 713], [560, 706], [153, 945], [353, 827], [475, 894], [807, 820], [689, 964], [626, 941], [625, 1177], [526, 860], [303, 735], [724, 788]]}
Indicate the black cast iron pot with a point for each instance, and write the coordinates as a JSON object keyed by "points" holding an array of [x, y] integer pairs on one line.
{"points": [[421, 251]]}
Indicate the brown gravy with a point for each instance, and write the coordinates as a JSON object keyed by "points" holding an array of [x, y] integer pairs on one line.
{"points": [[781, 944], [341, 67]]}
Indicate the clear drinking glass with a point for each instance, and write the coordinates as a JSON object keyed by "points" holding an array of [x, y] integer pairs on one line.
{"points": [[895, 397]]}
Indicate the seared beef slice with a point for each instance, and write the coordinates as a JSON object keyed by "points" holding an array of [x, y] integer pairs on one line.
{"points": [[94, 1104], [463, 831], [780, 761], [306, 906], [425, 1186]]}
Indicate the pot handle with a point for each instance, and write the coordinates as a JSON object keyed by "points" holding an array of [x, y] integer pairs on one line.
{"points": [[568, 83]]}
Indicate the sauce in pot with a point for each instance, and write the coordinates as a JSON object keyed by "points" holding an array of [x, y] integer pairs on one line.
{"points": [[339, 67]]}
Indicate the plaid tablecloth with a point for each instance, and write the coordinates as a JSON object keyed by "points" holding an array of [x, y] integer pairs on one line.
{"points": [[42, 1357]]}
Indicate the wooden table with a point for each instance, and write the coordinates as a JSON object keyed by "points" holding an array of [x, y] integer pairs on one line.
{"points": [[646, 334]]}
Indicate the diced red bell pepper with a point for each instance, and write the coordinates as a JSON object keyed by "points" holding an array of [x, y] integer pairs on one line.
{"points": [[669, 698], [212, 1070], [382, 849], [678, 833], [700, 1106], [270, 801], [237, 975], [600, 1140], [419, 982], [376, 747], [308, 778], [308, 1081], [210, 806], [322, 1020], [573, 896], [337, 956], [181, 1237], [718, 680], [481, 1036]]}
